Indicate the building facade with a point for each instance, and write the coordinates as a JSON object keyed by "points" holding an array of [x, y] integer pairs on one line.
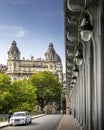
{"points": [[3, 68], [21, 68]]}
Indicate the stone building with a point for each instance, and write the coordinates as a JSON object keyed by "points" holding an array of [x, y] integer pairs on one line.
{"points": [[21, 68], [3, 68]]}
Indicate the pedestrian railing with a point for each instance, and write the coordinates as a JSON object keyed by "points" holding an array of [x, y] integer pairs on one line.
{"points": [[3, 117], [34, 113]]}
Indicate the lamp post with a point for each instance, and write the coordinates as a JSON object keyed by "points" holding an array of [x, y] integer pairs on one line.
{"points": [[79, 57], [85, 29]]}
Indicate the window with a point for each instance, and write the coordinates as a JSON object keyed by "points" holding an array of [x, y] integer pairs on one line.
{"points": [[51, 66], [10, 66], [14, 77], [14, 66], [14, 56]]}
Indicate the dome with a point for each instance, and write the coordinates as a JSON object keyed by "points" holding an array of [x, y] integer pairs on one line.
{"points": [[14, 48], [58, 58], [50, 49], [51, 45], [51, 54], [14, 52]]}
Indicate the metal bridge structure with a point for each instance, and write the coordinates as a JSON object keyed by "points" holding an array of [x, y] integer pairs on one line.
{"points": [[84, 50]]}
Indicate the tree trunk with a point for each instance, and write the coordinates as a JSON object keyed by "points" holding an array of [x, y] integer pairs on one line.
{"points": [[42, 109]]}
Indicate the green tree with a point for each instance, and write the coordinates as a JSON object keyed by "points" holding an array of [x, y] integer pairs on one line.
{"points": [[5, 98], [48, 88], [5, 82], [5, 95], [19, 95], [23, 95]]}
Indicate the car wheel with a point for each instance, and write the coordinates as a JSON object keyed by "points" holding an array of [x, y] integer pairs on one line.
{"points": [[26, 122]]}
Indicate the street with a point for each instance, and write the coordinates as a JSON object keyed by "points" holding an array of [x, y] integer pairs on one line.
{"points": [[47, 122]]}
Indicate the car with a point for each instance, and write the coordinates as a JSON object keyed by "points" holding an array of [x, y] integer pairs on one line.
{"points": [[20, 118]]}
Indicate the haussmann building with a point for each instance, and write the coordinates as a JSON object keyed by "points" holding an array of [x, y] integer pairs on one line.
{"points": [[21, 68]]}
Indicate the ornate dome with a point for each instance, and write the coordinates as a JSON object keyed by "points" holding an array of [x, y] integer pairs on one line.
{"points": [[14, 51], [14, 48], [51, 54], [58, 58]]}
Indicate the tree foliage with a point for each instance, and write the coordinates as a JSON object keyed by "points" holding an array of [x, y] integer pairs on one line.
{"points": [[5, 82], [23, 96], [48, 88], [5, 95], [17, 96], [40, 89]]}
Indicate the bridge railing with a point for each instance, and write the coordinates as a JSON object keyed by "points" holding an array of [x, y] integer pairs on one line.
{"points": [[4, 117]]}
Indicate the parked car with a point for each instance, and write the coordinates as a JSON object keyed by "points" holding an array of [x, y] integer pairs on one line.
{"points": [[19, 118]]}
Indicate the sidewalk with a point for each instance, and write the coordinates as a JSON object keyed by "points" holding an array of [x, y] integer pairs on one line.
{"points": [[67, 123], [4, 124]]}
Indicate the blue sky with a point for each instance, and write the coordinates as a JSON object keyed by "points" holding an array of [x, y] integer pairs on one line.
{"points": [[33, 24]]}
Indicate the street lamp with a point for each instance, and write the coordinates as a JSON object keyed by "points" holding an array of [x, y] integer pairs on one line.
{"points": [[86, 29], [75, 68], [79, 57]]}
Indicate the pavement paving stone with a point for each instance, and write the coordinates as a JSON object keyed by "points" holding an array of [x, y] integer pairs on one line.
{"points": [[67, 123]]}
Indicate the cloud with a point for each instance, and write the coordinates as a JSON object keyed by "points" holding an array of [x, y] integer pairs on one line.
{"points": [[21, 33], [18, 2], [12, 31]]}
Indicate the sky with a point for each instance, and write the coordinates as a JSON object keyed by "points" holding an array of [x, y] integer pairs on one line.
{"points": [[33, 24]]}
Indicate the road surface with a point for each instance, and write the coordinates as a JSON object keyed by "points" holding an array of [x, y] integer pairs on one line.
{"points": [[48, 122]]}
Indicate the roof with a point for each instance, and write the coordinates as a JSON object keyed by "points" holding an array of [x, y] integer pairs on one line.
{"points": [[51, 51], [14, 48]]}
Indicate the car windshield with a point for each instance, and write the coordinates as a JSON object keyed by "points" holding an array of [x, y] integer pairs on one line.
{"points": [[19, 114]]}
